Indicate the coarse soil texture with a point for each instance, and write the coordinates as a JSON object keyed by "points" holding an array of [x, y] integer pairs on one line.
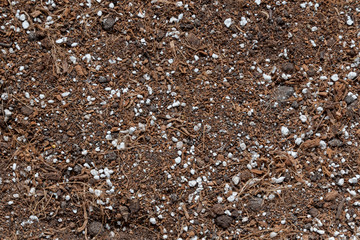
{"points": [[179, 119]]}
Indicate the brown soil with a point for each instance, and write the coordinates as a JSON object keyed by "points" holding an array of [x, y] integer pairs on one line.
{"points": [[179, 120]]}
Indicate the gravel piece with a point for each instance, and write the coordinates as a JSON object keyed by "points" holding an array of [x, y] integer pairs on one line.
{"points": [[95, 228], [218, 209], [26, 111], [350, 98], [335, 142], [223, 221], [288, 68], [283, 93], [331, 196], [255, 204], [103, 79], [111, 156], [108, 23], [313, 212], [134, 206]]}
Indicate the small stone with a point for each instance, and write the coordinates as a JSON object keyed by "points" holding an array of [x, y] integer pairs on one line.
{"points": [[124, 211], [193, 40], [255, 204], [245, 176], [280, 21], [174, 197], [77, 169], [134, 206], [111, 156], [313, 212], [95, 228], [288, 67], [26, 111], [311, 72], [218, 209], [223, 221], [350, 98], [273, 234], [103, 79], [108, 23], [32, 36], [283, 93], [331, 196], [335, 142]]}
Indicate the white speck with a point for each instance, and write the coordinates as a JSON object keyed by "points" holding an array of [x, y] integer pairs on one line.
{"points": [[141, 15], [228, 22], [215, 56], [179, 145], [7, 112], [303, 118], [322, 144], [340, 182], [111, 5], [87, 57], [243, 146], [121, 146], [352, 75], [4, 96], [59, 41], [67, 198], [278, 180], [267, 77], [321, 232], [178, 160], [192, 183], [65, 94], [84, 152], [284, 131], [153, 221], [243, 21], [258, 2], [349, 21], [32, 191], [99, 13], [73, 59], [236, 180], [97, 192], [94, 172], [232, 197], [335, 77], [353, 180], [273, 234], [22, 17], [319, 110], [25, 24]]}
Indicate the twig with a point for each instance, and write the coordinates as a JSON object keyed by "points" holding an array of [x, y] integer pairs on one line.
{"points": [[7, 45]]}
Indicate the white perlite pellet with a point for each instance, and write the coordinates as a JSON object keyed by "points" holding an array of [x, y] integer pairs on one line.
{"points": [[335, 77], [284, 131], [228, 22], [352, 75]]}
